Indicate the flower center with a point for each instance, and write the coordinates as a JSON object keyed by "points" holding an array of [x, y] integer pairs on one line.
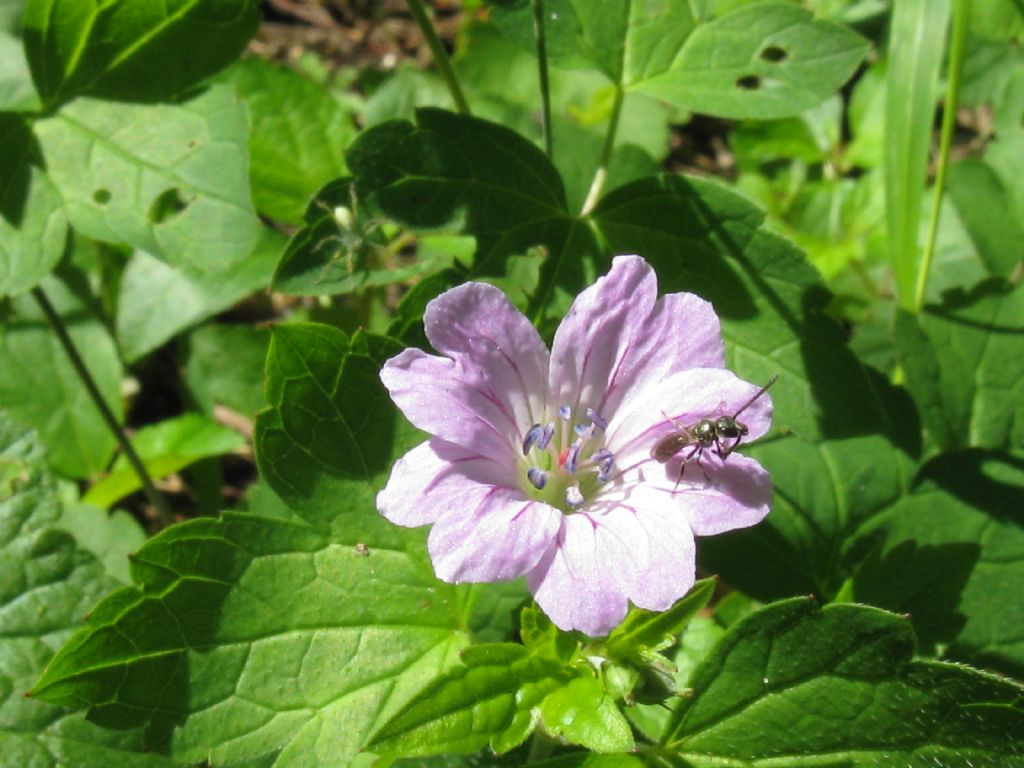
{"points": [[564, 461]]}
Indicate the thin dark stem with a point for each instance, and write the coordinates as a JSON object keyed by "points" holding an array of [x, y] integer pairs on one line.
{"points": [[419, 13], [542, 64], [154, 496]]}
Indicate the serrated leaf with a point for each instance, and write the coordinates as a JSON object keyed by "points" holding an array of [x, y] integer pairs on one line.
{"points": [[299, 133], [583, 713], [838, 685], [964, 362], [132, 49], [40, 387], [164, 448], [257, 637], [157, 301], [331, 430], [952, 555], [342, 250], [169, 179], [473, 705], [33, 225], [761, 61], [47, 582]]}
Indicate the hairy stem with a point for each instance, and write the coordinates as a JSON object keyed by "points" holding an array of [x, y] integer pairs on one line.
{"points": [[444, 65], [542, 64], [954, 76], [597, 185], [155, 497]]}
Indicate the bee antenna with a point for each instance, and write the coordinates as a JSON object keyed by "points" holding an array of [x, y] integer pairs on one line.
{"points": [[757, 394]]}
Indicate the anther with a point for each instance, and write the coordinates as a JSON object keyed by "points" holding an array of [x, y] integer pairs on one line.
{"points": [[572, 456], [597, 418], [533, 437], [545, 437], [584, 430], [573, 497], [537, 477], [565, 412]]}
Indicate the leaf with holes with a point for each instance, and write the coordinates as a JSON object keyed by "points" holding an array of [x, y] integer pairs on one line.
{"points": [[170, 179], [157, 301], [132, 49], [797, 685], [299, 133], [47, 581], [761, 61], [33, 226]]}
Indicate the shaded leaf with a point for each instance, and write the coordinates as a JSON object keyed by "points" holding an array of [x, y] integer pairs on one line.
{"points": [[132, 49], [224, 366]]}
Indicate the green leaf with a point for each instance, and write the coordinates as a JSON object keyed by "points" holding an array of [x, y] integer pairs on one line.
{"points": [[299, 131], [582, 713], [164, 449], [170, 179], [839, 686], [40, 387], [488, 700], [33, 226], [330, 427], [762, 61], [47, 582], [986, 208], [952, 555], [981, 334], [262, 637], [224, 366], [16, 90], [916, 44], [111, 538], [342, 250], [134, 50], [704, 238], [645, 630], [157, 301]]}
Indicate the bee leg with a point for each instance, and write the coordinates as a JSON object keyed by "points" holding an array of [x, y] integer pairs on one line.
{"points": [[697, 450]]}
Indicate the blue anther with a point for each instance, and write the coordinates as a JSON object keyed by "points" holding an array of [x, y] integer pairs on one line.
{"points": [[597, 418], [565, 412], [573, 456], [573, 497], [537, 477], [545, 437], [533, 436]]}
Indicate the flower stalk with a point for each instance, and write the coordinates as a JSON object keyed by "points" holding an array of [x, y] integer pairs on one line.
{"points": [[444, 64], [601, 176], [542, 67]]}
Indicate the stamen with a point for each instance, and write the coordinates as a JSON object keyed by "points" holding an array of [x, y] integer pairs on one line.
{"points": [[537, 477], [584, 430], [545, 436], [572, 456], [573, 496], [597, 418], [533, 437], [565, 412]]}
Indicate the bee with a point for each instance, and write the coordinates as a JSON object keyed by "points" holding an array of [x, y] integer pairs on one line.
{"points": [[722, 434]]}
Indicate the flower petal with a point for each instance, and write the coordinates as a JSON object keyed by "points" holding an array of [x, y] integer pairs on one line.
{"points": [[681, 401], [496, 348], [436, 478], [574, 583], [435, 395], [503, 537], [661, 566], [720, 495], [592, 343]]}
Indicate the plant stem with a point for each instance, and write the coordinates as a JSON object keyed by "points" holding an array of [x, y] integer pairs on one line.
{"points": [[419, 13], [606, 153], [542, 64], [155, 497], [954, 76]]}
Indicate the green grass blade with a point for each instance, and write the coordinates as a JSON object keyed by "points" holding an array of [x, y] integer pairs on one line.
{"points": [[916, 43]]}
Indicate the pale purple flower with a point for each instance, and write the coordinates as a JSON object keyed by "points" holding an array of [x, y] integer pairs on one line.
{"points": [[540, 463]]}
